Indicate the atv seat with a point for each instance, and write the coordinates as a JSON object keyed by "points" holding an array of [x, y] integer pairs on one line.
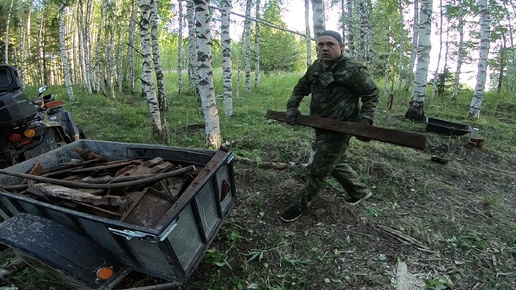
{"points": [[9, 80]]}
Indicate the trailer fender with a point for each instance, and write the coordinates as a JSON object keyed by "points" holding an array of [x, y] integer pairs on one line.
{"points": [[61, 249]]}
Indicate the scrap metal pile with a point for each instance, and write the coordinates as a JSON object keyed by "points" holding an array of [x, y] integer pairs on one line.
{"points": [[135, 191]]}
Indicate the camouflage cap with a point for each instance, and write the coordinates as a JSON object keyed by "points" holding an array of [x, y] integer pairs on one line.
{"points": [[333, 34]]}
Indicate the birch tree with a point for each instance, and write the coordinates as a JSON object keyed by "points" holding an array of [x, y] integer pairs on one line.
{"points": [[257, 46], [192, 48], [147, 71], [64, 56], [417, 102], [180, 48], [318, 17], [247, 46], [308, 38], [226, 57], [205, 75], [461, 50], [485, 39], [350, 41], [130, 48], [436, 74], [6, 37], [415, 35], [160, 78]]}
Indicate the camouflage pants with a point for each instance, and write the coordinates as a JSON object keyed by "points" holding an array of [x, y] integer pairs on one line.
{"points": [[328, 158]]}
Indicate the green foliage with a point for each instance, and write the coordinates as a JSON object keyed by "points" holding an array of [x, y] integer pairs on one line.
{"points": [[279, 50]]}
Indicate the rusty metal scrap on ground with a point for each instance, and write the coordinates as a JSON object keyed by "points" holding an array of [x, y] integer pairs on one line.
{"points": [[135, 191]]}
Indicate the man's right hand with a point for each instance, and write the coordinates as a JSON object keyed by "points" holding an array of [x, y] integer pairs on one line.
{"points": [[291, 115]]}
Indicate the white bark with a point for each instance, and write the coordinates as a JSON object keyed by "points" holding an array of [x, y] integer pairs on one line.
{"points": [[318, 17], [205, 75], [308, 38], [82, 50], [350, 42], [6, 37], [97, 83], [415, 34], [436, 74], [160, 78], [64, 57], [40, 53], [89, 67], [400, 49], [192, 49], [247, 46], [257, 47], [147, 70], [417, 102], [21, 65], [461, 51], [226, 57], [485, 39], [180, 48], [131, 48]]}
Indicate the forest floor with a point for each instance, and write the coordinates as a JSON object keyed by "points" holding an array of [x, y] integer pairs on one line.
{"points": [[428, 225]]}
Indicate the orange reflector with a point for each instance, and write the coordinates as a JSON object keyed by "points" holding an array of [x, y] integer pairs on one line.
{"points": [[53, 104], [15, 137], [105, 273], [29, 133]]}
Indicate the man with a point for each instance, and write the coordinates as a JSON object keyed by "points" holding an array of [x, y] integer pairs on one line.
{"points": [[338, 85]]}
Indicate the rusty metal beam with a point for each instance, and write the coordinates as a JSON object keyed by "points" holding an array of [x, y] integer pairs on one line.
{"points": [[397, 137]]}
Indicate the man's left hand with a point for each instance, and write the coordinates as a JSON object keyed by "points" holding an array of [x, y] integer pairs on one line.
{"points": [[368, 122]]}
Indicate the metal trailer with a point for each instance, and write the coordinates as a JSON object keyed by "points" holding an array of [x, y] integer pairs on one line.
{"points": [[82, 246]]}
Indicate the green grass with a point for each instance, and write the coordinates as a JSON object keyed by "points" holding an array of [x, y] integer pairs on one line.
{"points": [[462, 211]]}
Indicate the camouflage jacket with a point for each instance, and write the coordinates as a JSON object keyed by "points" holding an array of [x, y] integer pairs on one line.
{"points": [[338, 91]]}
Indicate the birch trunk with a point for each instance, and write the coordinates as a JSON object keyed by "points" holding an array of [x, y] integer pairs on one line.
{"points": [[97, 77], [29, 47], [387, 64], [109, 48], [64, 57], [21, 66], [350, 43], [160, 78], [87, 47], [369, 52], [501, 69], [512, 71], [361, 53], [247, 46], [180, 49], [226, 57], [257, 47], [436, 75], [82, 50], [131, 48], [485, 39], [192, 48], [416, 110], [318, 17], [41, 58], [461, 50], [308, 38], [415, 34], [401, 50], [147, 71], [6, 37], [205, 75]]}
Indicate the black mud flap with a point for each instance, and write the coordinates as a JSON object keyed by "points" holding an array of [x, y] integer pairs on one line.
{"points": [[52, 245]]}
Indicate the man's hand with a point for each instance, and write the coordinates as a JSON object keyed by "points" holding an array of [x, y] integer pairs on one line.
{"points": [[368, 122], [291, 115]]}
